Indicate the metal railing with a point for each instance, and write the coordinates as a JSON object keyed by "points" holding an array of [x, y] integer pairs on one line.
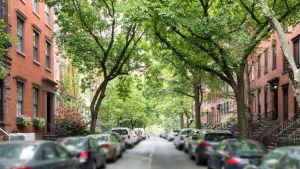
{"points": [[4, 136], [55, 130]]}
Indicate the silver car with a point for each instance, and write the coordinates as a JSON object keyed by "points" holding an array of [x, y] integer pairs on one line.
{"points": [[179, 141]]}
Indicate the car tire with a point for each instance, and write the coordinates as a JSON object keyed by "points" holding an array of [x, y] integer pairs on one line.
{"points": [[198, 160]]}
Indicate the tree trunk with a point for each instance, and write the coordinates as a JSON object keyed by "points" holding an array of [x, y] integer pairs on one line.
{"points": [[181, 120], [294, 73], [96, 104], [244, 119], [197, 105]]}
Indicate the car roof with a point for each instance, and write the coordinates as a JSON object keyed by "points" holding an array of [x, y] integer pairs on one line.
{"points": [[122, 128], [208, 131], [97, 135], [35, 142]]}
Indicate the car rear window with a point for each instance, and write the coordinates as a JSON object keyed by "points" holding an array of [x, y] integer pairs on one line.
{"points": [[121, 131], [245, 146], [186, 132], [176, 131], [217, 137], [102, 138], [76, 142], [17, 151]]}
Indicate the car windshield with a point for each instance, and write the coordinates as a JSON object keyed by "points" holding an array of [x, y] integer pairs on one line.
{"points": [[245, 146], [217, 137], [76, 142], [121, 131], [186, 132], [102, 138], [17, 151]]}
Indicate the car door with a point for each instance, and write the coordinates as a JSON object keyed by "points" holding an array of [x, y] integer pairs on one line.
{"points": [[65, 158], [50, 157]]}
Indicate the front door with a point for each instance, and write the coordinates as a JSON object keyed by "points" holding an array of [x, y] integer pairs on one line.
{"points": [[1, 101], [285, 102], [275, 105], [49, 98]]}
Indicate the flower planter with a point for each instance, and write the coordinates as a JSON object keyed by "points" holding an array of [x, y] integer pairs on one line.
{"points": [[23, 121], [39, 122]]}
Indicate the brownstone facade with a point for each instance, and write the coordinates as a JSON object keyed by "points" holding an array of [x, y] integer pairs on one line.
{"points": [[30, 88]]}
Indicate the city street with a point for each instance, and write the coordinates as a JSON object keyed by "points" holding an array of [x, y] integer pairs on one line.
{"points": [[154, 153]]}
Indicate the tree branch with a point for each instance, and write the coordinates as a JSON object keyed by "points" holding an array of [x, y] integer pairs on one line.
{"points": [[181, 92]]}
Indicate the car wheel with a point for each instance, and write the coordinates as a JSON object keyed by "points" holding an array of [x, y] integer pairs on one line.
{"points": [[198, 160], [104, 164], [94, 166], [114, 158]]}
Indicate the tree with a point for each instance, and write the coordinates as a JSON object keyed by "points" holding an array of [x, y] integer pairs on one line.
{"points": [[101, 39], [4, 44], [216, 37], [294, 72]]}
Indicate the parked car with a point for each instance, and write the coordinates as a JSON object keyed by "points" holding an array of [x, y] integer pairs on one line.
{"points": [[140, 133], [110, 145], [172, 134], [236, 154], [87, 150], [179, 141], [120, 140], [35, 155], [126, 135], [280, 158], [188, 138], [202, 142]]}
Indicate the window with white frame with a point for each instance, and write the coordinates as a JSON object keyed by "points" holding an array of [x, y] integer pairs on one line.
{"points": [[47, 11], [35, 46], [20, 35], [48, 55], [20, 97], [35, 6], [35, 102]]}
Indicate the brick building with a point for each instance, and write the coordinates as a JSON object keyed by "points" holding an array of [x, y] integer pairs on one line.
{"points": [[272, 93], [30, 88]]}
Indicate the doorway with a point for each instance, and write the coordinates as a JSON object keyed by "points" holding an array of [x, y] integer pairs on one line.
{"points": [[285, 89], [49, 109]]}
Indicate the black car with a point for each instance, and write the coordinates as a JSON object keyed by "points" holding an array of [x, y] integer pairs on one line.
{"points": [[35, 155], [89, 153], [236, 154]]}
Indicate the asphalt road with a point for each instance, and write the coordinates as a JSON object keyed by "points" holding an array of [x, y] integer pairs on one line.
{"points": [[154, 153]]}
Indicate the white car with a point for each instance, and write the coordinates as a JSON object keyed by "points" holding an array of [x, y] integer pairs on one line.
{"points": [[172, 134], [127, 135]]}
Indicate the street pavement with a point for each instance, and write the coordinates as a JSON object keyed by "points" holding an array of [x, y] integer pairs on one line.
{"points": [[154, 153]]}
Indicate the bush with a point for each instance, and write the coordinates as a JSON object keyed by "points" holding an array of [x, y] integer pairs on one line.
{"points": [[71, 121]]}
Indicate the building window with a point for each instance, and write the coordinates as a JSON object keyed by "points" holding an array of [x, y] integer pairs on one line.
{"points": [[48, 55], [259, 67], [20, 35], [227, 107], [20, 97], [57, 69], [47, 11], [296, 51], [35, 46], [35, 102], [274, 65], [266, 60], [35, 6], [266, 101], [1, 101], [258, 101]]}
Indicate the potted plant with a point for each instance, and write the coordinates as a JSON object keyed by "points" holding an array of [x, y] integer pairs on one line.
{"points": [[39, 122], [24, 121]]}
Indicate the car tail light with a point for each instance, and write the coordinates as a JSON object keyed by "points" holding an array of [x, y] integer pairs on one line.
{"points": [[83, 156], [204, 144], [105, 145], [128, 136], [233, 161], [21, 168]]}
